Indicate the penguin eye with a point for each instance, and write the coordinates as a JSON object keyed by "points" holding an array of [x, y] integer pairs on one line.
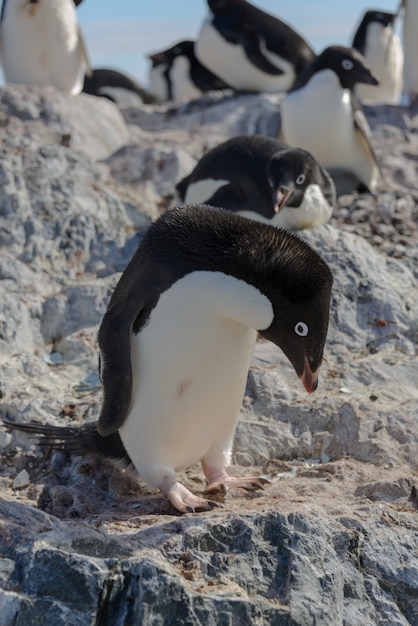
{"points": [[347, 64], [301, 329], [300, 179]]}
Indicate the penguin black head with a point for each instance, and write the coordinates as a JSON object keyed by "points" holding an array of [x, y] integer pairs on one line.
{"points": [[381, 17], [301, 307], [284, 268], [371, 17], [347, 63], [183, 48], [290, 172]]}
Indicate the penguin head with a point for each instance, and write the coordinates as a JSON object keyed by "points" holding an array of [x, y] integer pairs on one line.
{"points": [[381, 17], [301, 312], [219, 6], [289, 173], [348, 64], [183, 48]]}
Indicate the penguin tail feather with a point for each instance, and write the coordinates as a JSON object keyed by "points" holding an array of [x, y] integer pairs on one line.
{"points": [[78, 440]]}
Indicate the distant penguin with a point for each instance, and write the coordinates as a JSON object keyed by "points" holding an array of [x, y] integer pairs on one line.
{"points": [[321, 115], [250, 49], [377, 41], [41, 44], [177, 339], [263, 179], [115, 86], [410, 45], [176, 74]]}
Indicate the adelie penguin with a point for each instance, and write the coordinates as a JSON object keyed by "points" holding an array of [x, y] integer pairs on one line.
{"points": [[176, 74], [41, 44], [321, 114], [263, 179], [378, 42], [115, 86], [410, 46], [250, 49], [177, 339]]}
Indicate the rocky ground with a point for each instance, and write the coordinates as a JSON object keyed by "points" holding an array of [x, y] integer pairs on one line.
{"points": [[333, 539]]}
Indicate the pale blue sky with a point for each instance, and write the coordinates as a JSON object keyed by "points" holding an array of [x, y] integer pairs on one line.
{"points": [[119, 33]]}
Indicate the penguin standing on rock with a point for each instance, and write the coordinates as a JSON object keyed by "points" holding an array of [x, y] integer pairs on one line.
{"points": [[41, 44], [177, 338], [410, 46], [377, 41], [176, 74], [322, 115], [263, 179], [250, 49]]}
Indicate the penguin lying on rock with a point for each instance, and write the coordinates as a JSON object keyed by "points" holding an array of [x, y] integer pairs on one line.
{"points": [[284, 186], [176, 74], [177, 339], [250, 49]]}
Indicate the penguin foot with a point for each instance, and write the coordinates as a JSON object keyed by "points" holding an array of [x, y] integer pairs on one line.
{"points": [[184, 501], [225, 482]]}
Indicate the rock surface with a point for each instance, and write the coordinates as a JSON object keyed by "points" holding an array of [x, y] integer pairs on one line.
{"points": [[333, 539]]}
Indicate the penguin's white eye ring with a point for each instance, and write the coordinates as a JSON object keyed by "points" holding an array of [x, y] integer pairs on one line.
{"points": [[300, 179], [301, 329], [347, 64]]}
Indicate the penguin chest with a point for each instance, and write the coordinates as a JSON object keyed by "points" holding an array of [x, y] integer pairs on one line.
{"points": [[158, 82], [182, 85], [229, 62], [190, 364], [319, 118], [41, 48], [410, 45], [384, 55]]}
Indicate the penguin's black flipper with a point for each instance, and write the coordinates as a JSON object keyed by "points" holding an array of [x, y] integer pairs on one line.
{"points": [[249, 39], [182, 186], [231, 197], [251, 42]]}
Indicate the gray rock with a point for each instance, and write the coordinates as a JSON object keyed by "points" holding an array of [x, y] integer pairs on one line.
{"points": [[333, 538], [89, 124]]}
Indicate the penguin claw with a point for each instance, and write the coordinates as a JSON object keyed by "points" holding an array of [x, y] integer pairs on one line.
{"points": [[185, 501], [252, 483]]}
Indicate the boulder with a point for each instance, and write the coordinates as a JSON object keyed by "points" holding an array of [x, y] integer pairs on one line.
{"points": [[333, 537]]}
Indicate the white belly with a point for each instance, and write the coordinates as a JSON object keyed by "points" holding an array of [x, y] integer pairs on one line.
{"points": [[190, 364], [157, 82], [183, 87], [200, 191], [313, 211], [41, 46], [410, 44], [384, 55], [318, 118], [229, 61]]}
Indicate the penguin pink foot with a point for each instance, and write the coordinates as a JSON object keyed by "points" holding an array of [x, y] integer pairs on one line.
{"points": [[186, 502], [218, 480]]}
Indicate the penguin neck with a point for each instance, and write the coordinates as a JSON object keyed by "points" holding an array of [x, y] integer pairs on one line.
{"points": [[326, 84]]}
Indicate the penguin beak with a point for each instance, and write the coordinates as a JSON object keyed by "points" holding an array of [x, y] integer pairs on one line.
{"points": [[157, 59], [365, 76], [309, 379], [281, 197]]}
